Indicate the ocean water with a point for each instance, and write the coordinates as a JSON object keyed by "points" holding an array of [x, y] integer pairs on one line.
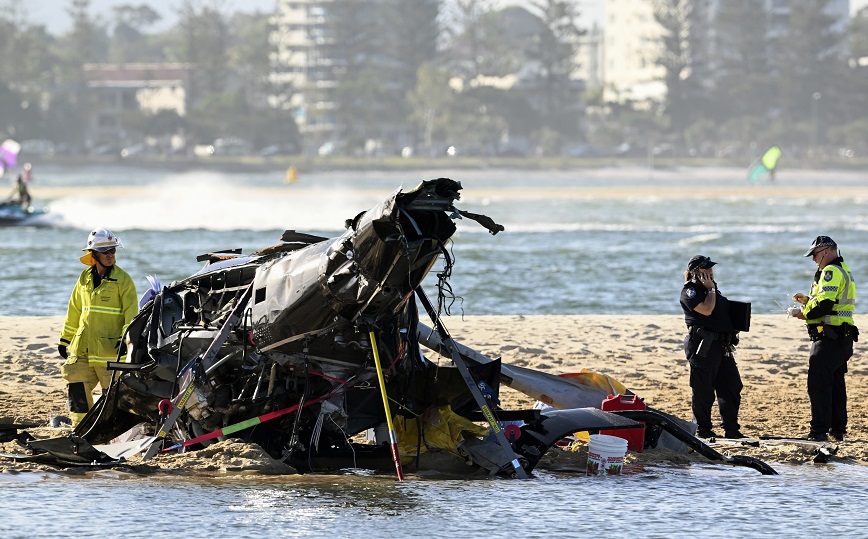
{"points": [[576, 242]]}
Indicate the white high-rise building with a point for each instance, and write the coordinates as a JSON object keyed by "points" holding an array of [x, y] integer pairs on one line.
{"points": [[301, 70], [630, 52]]}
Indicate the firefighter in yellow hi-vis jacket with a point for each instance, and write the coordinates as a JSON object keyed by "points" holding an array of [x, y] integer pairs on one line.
{"points": [[828, 313], [101, 306]]}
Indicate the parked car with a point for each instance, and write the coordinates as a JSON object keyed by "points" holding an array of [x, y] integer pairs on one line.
{"points": [[37, 147], [279, 149], [231, 146]]}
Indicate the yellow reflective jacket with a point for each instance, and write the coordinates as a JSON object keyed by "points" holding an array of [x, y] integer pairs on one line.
{"points": [[97, 317], [836, 283]]}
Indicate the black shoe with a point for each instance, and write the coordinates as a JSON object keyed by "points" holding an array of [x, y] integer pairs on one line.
{"points": [[706, 433], [734, 434], [818, 437], [838, 436]]}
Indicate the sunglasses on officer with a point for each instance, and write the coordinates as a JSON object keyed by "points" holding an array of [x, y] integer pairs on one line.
{"points": [[109, 251], [818, 251]]}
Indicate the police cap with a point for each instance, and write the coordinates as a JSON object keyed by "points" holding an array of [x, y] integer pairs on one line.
{"points": [[700, 262], [821, 241]]}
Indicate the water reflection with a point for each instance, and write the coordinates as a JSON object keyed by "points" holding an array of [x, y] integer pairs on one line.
{"points": [[659, 501]]}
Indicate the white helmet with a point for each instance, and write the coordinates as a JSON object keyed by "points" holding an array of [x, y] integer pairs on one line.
{"points": [[101, 238]]}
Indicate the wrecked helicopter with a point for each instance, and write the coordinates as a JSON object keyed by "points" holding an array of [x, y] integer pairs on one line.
{"points": [[304, 345]]}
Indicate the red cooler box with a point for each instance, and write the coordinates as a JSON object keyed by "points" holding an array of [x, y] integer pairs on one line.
{"points": [[635, 437]]}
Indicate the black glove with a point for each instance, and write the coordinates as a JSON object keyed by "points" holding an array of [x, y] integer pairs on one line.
{"points": [[61, 349]]}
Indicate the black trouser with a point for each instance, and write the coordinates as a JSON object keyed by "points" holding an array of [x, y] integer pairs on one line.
{"points": [[826, 387], [716, 373]]}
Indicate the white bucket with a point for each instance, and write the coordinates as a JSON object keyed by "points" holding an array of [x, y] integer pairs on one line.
{"points": [[606, 454]]}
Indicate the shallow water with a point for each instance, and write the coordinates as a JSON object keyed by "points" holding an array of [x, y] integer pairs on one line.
{"points": [[558, 255], [653, 501]]}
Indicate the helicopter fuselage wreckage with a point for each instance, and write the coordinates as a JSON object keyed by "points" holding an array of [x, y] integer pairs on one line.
{"points": [[303, 346]]}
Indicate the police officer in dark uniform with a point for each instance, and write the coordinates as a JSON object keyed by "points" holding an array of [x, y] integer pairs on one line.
{"points": [[828, 312], [709, 346]]}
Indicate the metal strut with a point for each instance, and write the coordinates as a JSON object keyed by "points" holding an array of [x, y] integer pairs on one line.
{"points": [[471, 385]]}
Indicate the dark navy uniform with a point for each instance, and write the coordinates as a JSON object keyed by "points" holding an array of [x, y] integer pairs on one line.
{"points": [[709, 346]]}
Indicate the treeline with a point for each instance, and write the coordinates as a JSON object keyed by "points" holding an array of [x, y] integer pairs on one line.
{"points": [[427, 74], [794, 77]]}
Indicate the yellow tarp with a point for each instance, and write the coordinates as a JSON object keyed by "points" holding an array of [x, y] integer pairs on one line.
{"points": [[441, 429], [598, 380]]}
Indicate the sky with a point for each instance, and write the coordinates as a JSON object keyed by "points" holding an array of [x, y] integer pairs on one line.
{"points": [[53, 12]]}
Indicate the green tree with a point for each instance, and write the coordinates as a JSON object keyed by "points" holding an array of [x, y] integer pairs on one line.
{"points": [[554, 48], [86, 42], [476, 42], [248, 55], [855, 78], [479, 121], [744, 76], [129, 41], [858, 32], [480, 49], [219, 115], [681, 57], [362, 102], [362, 111], [27, 66], [430, 103], [809, 58], [409, 42], [25, 56], [204, 43]]}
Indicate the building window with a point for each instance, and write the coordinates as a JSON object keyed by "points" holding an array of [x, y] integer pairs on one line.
{"points": [[129, 101], [107, 120]]}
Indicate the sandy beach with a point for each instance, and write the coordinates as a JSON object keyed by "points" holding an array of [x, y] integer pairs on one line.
{"points": [[642, 351]]}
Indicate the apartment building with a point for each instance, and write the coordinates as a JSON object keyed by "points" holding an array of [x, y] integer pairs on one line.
{"points": [[301, 69], [122, 88]]}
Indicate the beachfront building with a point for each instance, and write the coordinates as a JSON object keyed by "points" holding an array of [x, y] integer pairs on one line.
{"points": [[120, 91], [631, 48], [590, 58], [302, 69]]}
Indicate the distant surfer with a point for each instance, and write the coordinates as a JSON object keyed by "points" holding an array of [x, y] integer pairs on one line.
{"points": [[20, 194], [766, 165]]}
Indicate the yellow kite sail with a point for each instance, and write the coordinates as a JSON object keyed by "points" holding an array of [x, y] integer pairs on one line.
{"points": [[765, 166]]}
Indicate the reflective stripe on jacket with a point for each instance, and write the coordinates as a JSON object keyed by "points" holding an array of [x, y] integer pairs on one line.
{"points": [[97, 317], [835, 283]]}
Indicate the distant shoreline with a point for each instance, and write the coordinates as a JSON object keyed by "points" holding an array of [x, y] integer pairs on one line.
{"points": [[304, 163]]}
